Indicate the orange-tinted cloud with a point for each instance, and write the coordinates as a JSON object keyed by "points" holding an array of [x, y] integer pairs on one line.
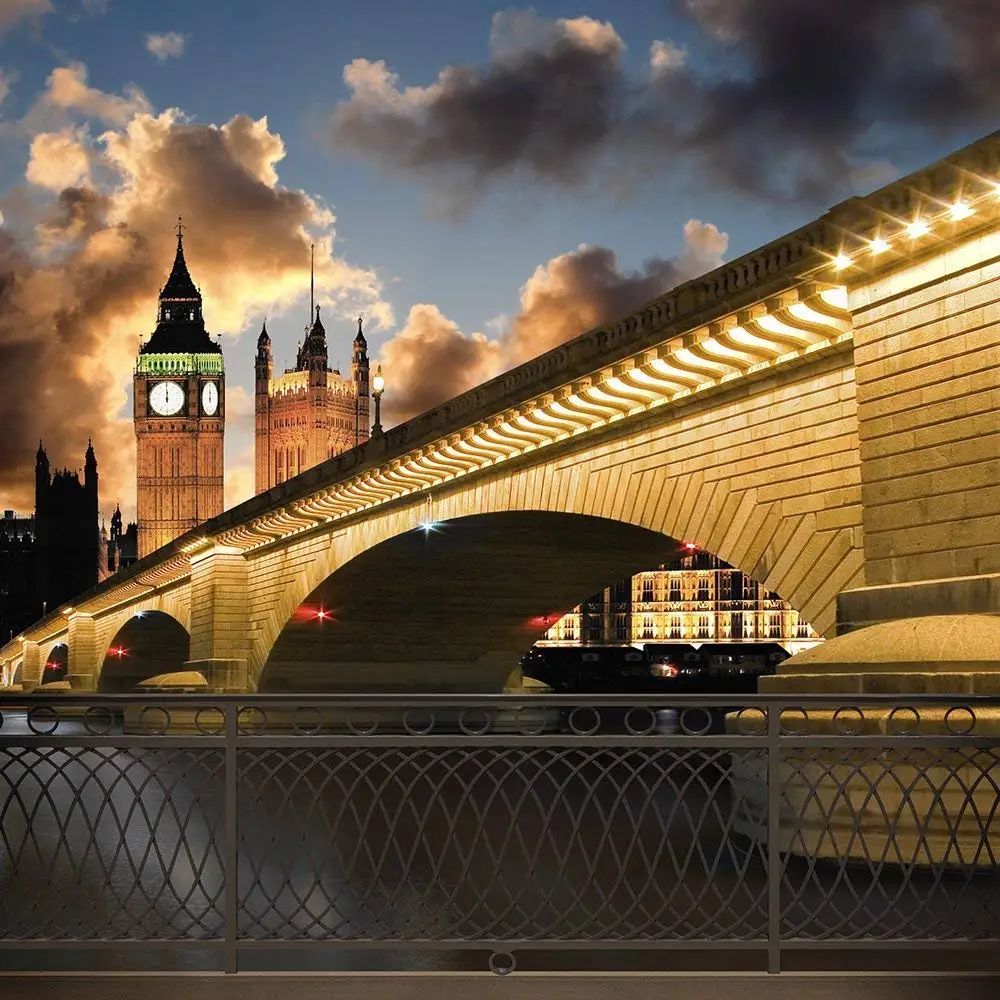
{"points": [[431, 360], [12, 11], [80, 276]]}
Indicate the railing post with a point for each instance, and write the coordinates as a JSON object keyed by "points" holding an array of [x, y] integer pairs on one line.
{"points": [[230, 886], [773, 833]]}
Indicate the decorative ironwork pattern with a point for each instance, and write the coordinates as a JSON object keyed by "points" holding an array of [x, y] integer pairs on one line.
{"points": [[499, 823], [110, 845]]}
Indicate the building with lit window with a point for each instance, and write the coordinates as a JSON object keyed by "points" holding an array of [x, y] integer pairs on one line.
{"points": [[698, 600], [310, 412]]}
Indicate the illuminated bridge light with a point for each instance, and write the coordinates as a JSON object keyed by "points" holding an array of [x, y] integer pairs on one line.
{"points": [[917, 228], [960, 211], [429, 526], [841, 261], [878, 246]]}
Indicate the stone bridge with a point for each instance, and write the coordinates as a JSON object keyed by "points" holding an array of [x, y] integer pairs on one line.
{"points": [[821, 413]]}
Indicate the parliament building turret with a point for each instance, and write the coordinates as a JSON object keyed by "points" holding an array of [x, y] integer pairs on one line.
{"points": [[310, 412]]}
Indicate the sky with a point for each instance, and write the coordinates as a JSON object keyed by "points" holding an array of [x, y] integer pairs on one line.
{"points": [[481, 182]]}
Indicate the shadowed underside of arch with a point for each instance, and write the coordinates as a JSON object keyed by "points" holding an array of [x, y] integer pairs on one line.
{"points": [[56, 664], [148, 644], [478, 591]]}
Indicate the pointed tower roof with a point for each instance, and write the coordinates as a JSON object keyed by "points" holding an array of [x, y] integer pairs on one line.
{"points": [[40, 455], [179, 285], [317, 329], [181, 326], [360, 338], [264, 338]]}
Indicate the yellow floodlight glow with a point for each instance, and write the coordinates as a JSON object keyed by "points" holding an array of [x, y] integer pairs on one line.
{"points": [[960, 211], [878, 245], [841, 261], [917, 228]]}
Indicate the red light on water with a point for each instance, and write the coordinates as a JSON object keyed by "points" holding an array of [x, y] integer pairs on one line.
{"points": [[690, 547]]}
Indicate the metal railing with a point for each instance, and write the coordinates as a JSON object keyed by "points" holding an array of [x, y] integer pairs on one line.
{"points": [[505, 824]]}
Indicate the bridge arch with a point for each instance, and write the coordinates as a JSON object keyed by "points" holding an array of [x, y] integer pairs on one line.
{"points": [[56, 664], [147, 644]]}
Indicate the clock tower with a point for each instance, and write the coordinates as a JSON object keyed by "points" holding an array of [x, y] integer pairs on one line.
{"points": [[179, 415]]}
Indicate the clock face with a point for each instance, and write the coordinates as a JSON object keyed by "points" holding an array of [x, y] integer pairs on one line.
{"points": [[166, 399], [209, 398]]}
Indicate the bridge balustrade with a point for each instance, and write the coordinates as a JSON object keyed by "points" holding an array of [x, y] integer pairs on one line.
{"points": [[456, 832]]}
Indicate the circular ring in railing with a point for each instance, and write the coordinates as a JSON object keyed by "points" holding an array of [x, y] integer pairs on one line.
{"points": [[893, 727], [304, 727], [756, 715], [248, 728], [95, 712], [845, 728], [787, 728], [217, 731], [473, 730], [581, 730], [417, 730], [952, 730], [690, 730], [145, 717], [635, 730], [358, 730], [502, 963], [45, 713], [526, 728]]}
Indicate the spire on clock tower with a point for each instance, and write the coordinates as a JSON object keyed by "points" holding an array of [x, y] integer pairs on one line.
{"points": [[180, 327]]}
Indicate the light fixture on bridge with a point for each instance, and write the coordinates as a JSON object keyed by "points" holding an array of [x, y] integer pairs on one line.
{"points": [[67, 611], [429, 526], [878, 245], [690, 546], [378, 387], [917, 228], [117, 651], [960, 210], [841, 261]]}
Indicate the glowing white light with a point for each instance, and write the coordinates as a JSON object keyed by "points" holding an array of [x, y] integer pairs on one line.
{"points": [[428, 526], [917, 228], [841, 261], [960, 211], [878, 246]]}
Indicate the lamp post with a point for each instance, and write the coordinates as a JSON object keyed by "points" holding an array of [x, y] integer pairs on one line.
{"points": [[378, 386]]}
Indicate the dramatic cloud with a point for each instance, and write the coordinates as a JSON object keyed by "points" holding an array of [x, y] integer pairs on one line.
{"points": [[79, 276], [776, 97], [166, 45], [12, 11], [431, 360], [67, 91], [547, 101], [58, 160]]}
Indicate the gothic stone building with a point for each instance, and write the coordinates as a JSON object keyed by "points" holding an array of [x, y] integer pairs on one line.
{"points": [[67, 537], [179, 416], [310, 412]]}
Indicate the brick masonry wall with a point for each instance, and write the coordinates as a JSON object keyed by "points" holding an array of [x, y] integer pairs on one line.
{"points": [[764, 474], [927, 351]]}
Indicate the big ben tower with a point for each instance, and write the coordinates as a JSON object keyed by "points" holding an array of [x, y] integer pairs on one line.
{"points": [[179, 413]]}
